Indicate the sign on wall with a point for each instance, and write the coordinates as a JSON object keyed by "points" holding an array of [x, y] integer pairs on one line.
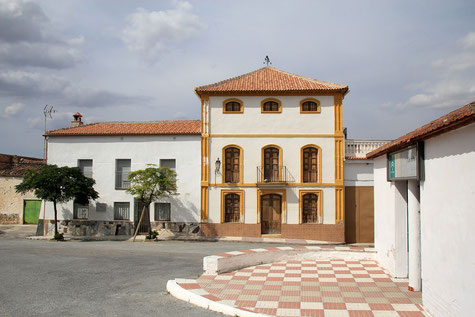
{"points": [[404, 164]]}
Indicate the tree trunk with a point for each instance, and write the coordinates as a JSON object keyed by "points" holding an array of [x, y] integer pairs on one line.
{"points": [[140, 222], [55, 218]]}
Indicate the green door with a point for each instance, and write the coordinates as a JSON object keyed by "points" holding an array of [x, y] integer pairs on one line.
{"points": [[31, 212]]}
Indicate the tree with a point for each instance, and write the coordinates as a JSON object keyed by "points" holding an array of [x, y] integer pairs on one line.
{"points": [[59, 185], [150, 184]]}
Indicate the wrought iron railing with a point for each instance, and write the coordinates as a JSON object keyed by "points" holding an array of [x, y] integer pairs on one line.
{"points": [[274, 174], [122, 180]]}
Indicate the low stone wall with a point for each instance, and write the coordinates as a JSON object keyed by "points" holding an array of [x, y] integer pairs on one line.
{"points": [[116, 227], [9, 219], [235, 260]]}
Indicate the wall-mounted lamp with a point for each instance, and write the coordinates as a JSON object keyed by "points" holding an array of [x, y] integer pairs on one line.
{"points": [[217, 165]]}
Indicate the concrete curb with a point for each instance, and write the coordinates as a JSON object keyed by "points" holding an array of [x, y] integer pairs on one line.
{"points": [[185, 295]]}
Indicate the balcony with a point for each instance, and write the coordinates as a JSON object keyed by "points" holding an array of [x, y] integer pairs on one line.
{"points": [[359, 148], [275, 175]]}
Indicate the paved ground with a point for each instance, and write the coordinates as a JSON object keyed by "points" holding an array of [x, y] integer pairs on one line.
{"points": [[312, 288], [17, 231], [99, 278]]}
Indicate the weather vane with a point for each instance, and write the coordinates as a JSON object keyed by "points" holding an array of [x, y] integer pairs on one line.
{"points": [[267, 61]]}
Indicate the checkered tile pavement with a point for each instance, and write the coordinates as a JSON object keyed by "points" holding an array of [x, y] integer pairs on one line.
{"points": [[312, 288]]}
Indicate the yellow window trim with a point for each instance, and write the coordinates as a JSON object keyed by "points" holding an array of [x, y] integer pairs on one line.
{"points": [[310, 99], [280, 160], [241, 154], [319, 194], [319, 149], [240, 193], [271, 99], [282, 192], [236, 100]]}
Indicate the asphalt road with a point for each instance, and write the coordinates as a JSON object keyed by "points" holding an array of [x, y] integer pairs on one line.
{"points": [[100, 278]]}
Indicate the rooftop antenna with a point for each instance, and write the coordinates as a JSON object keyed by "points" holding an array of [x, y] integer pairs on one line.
{"points": [[47, 112], [267, 61]]}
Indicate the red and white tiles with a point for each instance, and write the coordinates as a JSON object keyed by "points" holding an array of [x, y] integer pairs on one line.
{"points": [[326, 288]]}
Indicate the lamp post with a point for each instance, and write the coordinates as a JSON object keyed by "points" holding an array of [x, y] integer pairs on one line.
{"points": [[217, 166]]}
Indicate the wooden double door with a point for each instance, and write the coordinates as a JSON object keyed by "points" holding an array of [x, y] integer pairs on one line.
{"points": [[271, 214]]}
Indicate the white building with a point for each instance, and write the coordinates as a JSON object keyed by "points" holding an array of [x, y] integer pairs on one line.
{"points": [[272, 157], [107, 151], [424, 211]]}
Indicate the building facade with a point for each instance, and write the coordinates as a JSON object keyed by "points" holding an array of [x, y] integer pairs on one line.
{"points": [[17, 208], [272, 157], [423, 219], [107, 152]]}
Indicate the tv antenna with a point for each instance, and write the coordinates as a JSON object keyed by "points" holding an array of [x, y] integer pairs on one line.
{"points": [[47, 112], [267, 61]]}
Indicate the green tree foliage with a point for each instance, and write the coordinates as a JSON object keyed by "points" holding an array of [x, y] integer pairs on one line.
{"points": [[58, 185], [150, 184]]}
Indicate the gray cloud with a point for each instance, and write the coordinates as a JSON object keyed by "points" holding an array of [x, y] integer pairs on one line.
{"points": [[27, 39], [151, 33]]}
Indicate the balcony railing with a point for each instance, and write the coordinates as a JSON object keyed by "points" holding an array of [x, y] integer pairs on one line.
{"points": [[275, 175], [122, 180], [359, 148]]}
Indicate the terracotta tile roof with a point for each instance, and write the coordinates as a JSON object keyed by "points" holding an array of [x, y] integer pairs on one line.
{"points": [[451, 121], [14, 165], [131, 128], [355, 158], [270, 79]]}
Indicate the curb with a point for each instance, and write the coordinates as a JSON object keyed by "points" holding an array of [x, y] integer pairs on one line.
{"points": [[185, 295]]}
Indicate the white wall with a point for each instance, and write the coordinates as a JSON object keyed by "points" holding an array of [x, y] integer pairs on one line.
{"points": [[390, 220], [290, 121], [358, 172], [142, 150], [447, 223]]}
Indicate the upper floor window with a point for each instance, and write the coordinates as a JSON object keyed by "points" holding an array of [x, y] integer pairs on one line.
{"points": [[271, 105], [310, 105], [122, 170], [232, 106], [232, 164], [170, 163], [271, 164], [310, 158], [232, 207], [86, 167]]}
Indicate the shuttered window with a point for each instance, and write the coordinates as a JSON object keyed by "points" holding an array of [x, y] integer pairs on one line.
{"points": [[270, 106], [232, 163], [162, 211], [86, 167], [310, 165], [233, 106], [122, 211], [232, 208], [122, 174], [310, 208]]}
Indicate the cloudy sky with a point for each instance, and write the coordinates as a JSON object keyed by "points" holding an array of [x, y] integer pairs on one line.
{"points": [[406, 62]]}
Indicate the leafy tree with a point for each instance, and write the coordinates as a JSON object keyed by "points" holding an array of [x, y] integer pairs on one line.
{"points": [[59, 185], [150, 184]]}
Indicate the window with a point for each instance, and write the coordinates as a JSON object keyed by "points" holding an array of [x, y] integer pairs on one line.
{"points": [[162, 211], [80, 211], [232, 106], [232, 207], [270, 105], [232, 162], [170, 163], [271, 164], [310, 168], [86, 167], [310, 208], [122, 211], [310, 105], [122, 174]]}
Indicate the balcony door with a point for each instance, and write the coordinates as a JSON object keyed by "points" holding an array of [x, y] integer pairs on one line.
{"points": [[271, 164], [271, 214]]}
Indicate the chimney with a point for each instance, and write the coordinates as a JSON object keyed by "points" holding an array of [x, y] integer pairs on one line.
{"points": [[77, 120]]}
